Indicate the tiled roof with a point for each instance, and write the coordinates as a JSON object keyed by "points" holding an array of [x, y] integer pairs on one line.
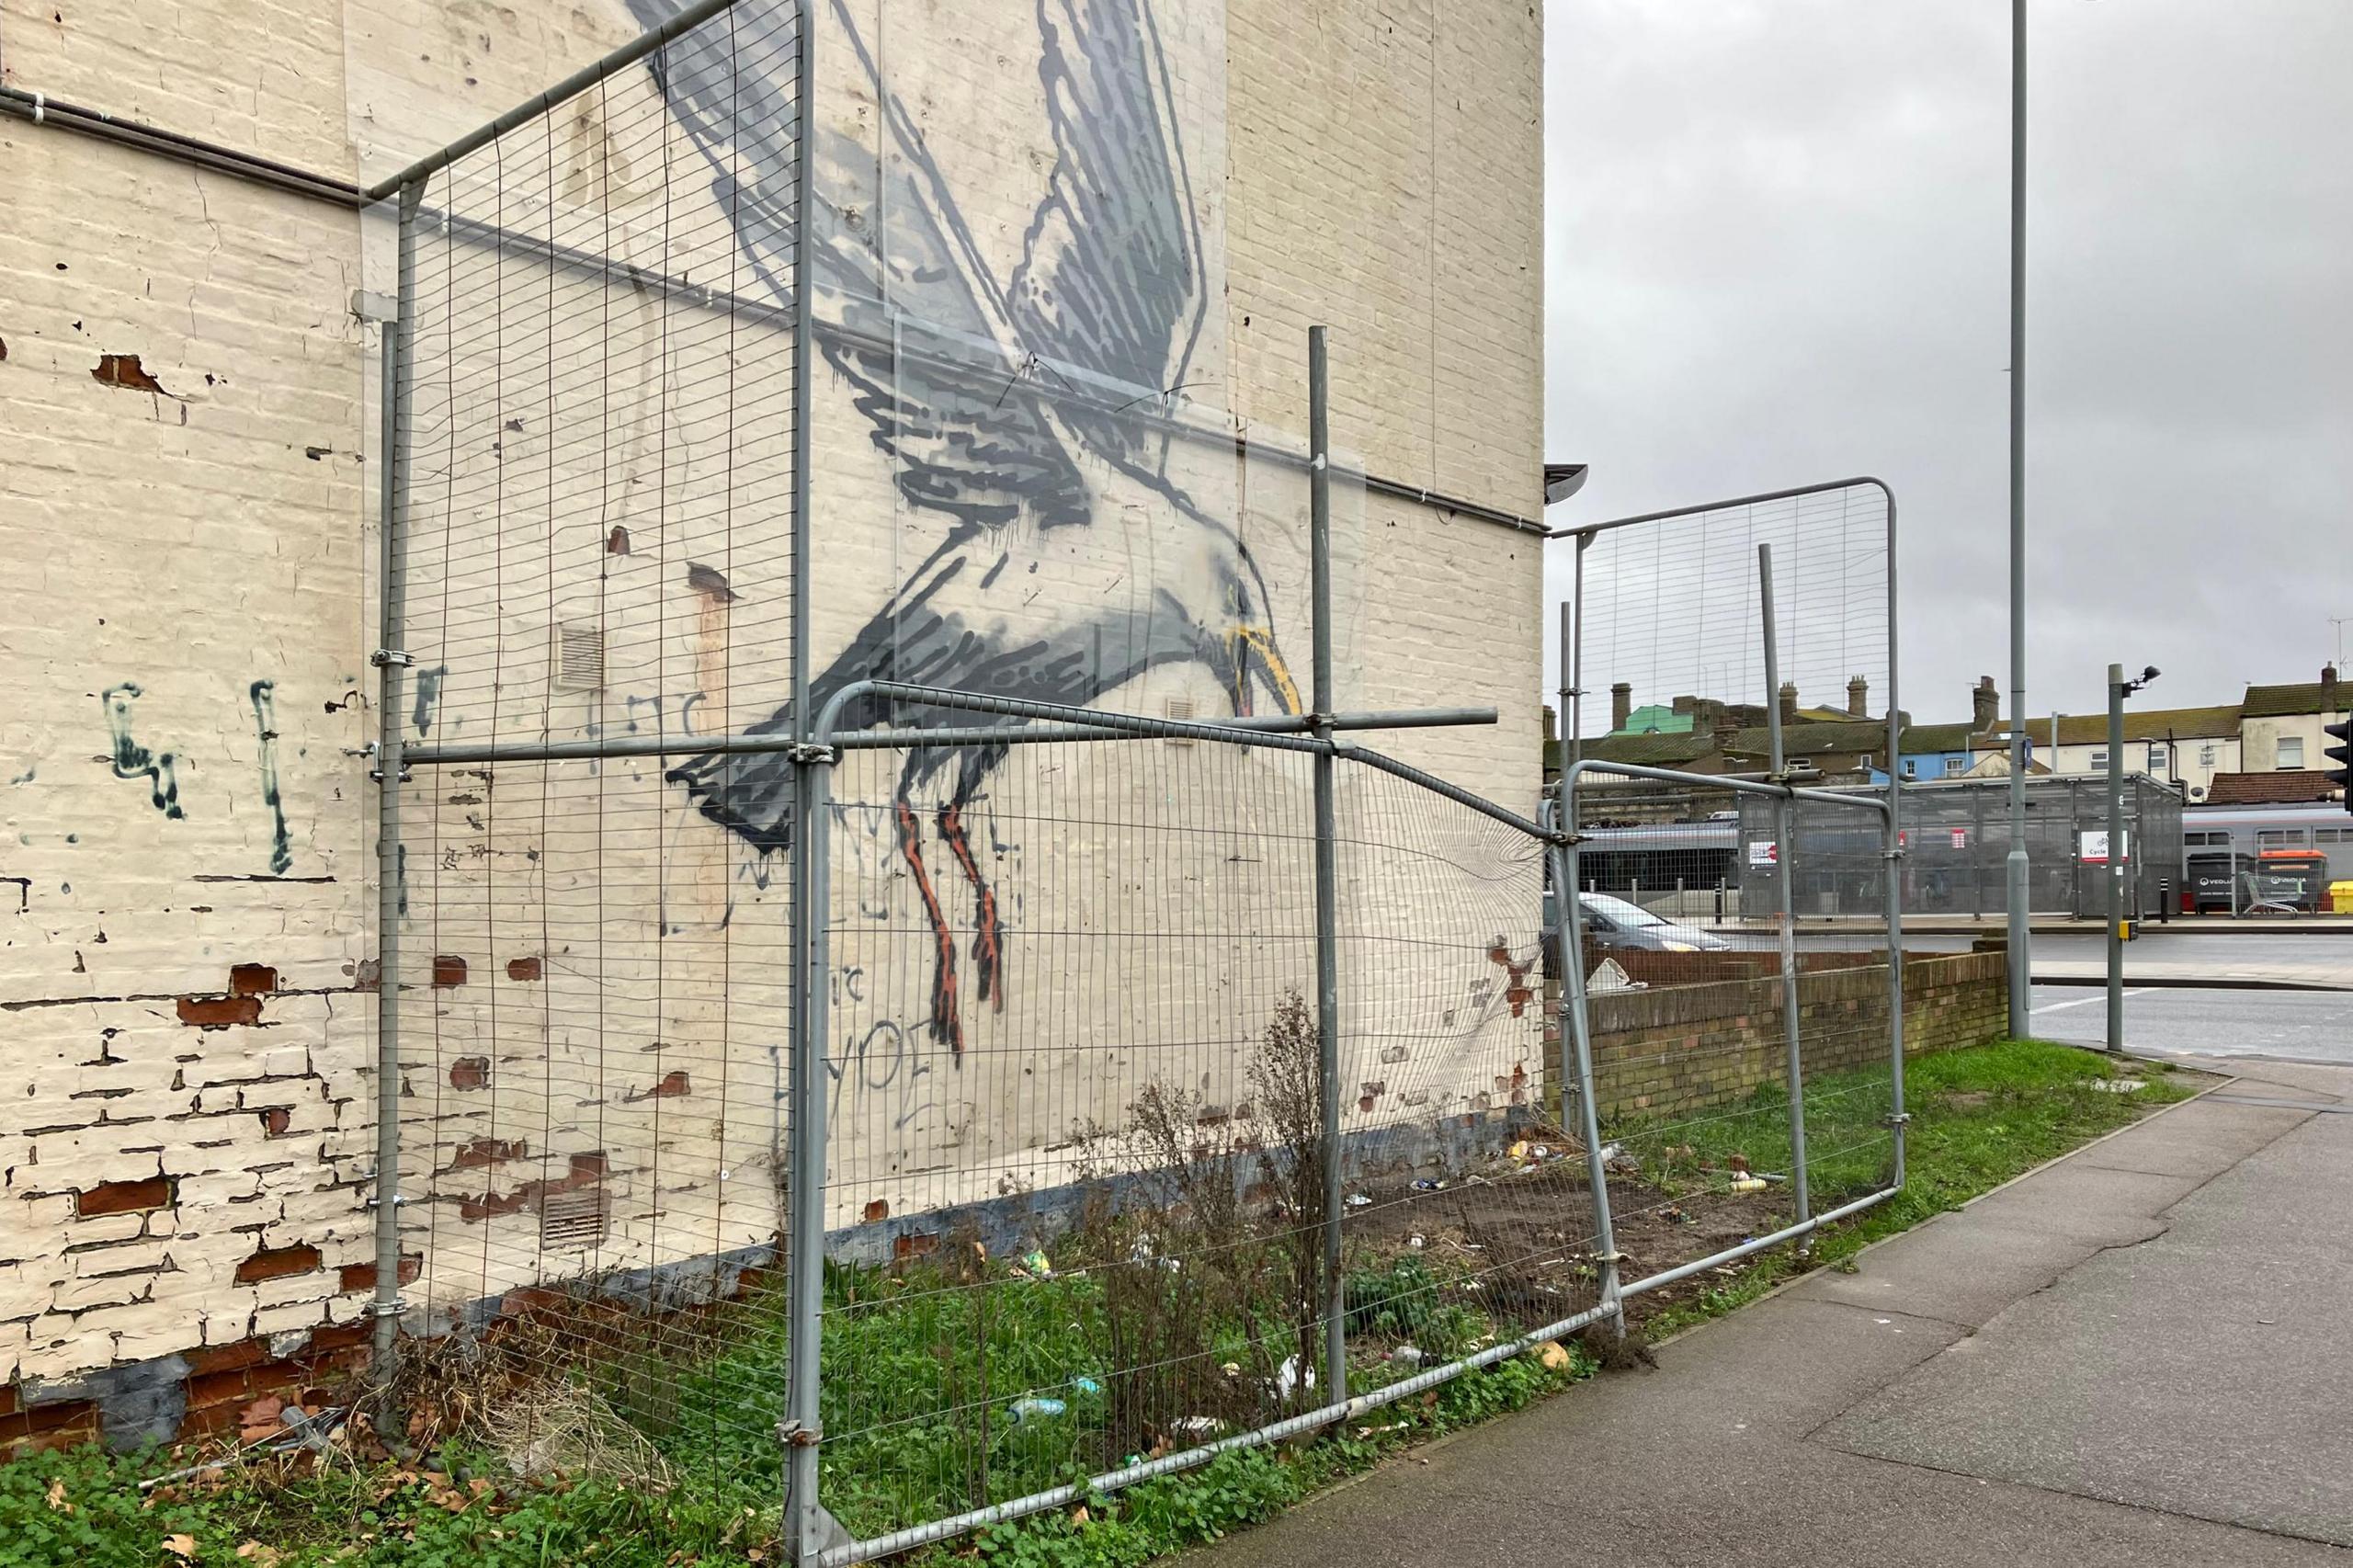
{"points": [[1920, 739], [2287, 785], [1651, 750], [2183, 724], [2280, 701], [1807, 739]]}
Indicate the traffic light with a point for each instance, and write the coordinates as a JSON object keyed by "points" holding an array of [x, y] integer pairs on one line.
{"points": [[2341, 756]]}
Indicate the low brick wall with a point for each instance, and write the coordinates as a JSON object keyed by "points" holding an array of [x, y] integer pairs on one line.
{"points": [[1687, 1046]]}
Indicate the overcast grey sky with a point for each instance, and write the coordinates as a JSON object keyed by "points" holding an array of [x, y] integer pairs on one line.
{"points": [[1778, 241]]}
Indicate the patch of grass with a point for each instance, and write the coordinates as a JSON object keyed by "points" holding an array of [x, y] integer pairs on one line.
{"points": [[921, 1363], [1980, 1117]]}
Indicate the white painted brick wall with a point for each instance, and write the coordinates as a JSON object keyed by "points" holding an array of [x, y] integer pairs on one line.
{"points": [[1377, 168]]}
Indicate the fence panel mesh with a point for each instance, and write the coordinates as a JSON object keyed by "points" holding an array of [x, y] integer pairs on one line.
{"points": [[596, 547], [1067, 1105], [1691, 1031], [1736, 948], [1467, 1215]]}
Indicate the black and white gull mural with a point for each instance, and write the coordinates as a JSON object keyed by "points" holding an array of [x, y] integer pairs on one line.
{"points": [[1027, 412]]}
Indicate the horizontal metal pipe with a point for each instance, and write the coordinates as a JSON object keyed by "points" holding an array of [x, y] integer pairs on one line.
{"points": [[1169, 1464], [1788, 1233], [1097, 727], [1438, 786], [1445, 503], [829, 716], [1759, 499], [1430, 1376], [1739, 783], [137, 134], [1031, 734], [908, 1539]]}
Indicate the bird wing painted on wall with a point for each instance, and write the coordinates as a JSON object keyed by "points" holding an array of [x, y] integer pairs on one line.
{"points": [[1111, 279], [974, 389]]}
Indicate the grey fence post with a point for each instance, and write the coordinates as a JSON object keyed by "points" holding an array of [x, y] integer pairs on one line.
{"points": [[1784, 824], [809, 1529], [1576, 1041], [1327, 881], [806, 1532], [1894, 860], [392, 659]]}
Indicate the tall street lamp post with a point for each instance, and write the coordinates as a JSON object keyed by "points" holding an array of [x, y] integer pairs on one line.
{"points": [[2119, 917], [2021, 969]]}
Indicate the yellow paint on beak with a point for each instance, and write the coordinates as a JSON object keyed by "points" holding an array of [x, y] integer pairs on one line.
{"points": [[1261, 641]]}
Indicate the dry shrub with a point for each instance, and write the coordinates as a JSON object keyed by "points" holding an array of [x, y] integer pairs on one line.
{"points": [[1206, 1232], [562, 1380], [560, 1427]]}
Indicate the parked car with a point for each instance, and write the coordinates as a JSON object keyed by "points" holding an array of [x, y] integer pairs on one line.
{"points": [[1621, 923]]}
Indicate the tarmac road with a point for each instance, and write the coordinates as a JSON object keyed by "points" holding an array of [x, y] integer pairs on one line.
{"points": [[2291, 1026]]}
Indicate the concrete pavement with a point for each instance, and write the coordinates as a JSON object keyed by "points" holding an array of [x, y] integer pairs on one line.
{"points": [[2133, 1356]]}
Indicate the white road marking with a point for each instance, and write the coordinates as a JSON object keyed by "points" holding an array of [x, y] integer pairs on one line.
{"points": [[2086, 1001]]}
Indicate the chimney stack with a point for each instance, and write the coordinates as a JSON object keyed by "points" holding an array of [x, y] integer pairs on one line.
{"points": [[1788, 702], [2332, 696], [1621, 706], [1858, 698], [1984, 705]]}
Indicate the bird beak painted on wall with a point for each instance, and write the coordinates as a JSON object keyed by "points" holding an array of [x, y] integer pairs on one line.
{"points": [[1249, 645]]}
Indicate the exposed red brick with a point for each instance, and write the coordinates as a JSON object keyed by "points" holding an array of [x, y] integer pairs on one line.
{"points": [[914, 1243], [589, 1167], [877, 1209], [329, 1342], [523, 969], [275, 1119], [278, 1262], [46, 1428], [494, 1205], [470, 1073], [484, 1152], [448, 970], [124, 371], [674, 1084], [220, 1012], [124, 1197], [617, 541], [252, 980], [234, 1357], [362, 1276]]}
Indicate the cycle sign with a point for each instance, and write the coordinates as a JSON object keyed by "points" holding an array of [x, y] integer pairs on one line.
{"points": [[2092, 847]]}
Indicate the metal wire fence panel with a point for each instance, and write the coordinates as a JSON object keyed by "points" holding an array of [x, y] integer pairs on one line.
{"points": [[1666, 625], [601, 423], [594, 518], [1958, 838], [1701, 1025], [1083, 1226], [592, 1187], [1467, 1212]]}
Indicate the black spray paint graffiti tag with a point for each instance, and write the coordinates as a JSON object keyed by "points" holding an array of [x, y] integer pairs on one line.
{"points": [[132, 760], [265, 701]]}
